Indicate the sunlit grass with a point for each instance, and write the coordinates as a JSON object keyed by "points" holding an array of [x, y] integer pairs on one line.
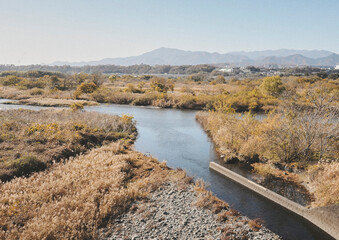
{"points": [[31, 140], [74, 199]]}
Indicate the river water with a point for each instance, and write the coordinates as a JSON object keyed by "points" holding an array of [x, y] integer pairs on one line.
{"points": [[175, 136]]}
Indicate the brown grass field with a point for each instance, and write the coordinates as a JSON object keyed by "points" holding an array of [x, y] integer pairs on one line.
{"points": [[31, 141]]}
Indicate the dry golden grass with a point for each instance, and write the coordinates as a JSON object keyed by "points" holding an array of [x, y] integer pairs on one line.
{"points": [[234, 135], [255, 224], [10, 92], [53, 102], [208, 200], [72, 200], [291, 141], [186, 95], [267, 170], [324, 180], [31, 140]]}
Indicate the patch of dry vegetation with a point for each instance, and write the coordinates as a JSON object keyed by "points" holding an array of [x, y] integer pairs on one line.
{"points": [[144, 91], [31, 140], [73, 200], [324, 182], [301, 135], [255, 224], [52, 102], [207, 200]]}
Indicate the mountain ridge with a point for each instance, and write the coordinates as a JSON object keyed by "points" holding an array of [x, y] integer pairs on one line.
{"points": [[172, 56]]}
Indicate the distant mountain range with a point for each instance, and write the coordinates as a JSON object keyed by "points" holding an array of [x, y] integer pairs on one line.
{"points": [[171, 56]]}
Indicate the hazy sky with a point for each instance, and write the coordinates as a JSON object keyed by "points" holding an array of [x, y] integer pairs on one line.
{"points": [[43, 31]]}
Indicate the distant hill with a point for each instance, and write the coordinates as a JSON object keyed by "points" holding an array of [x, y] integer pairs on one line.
{"points": [[284, 53], [171, 56], [299, 60], [165, 56]]}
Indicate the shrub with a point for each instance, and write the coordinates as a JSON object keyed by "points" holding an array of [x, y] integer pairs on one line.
{"points": [[36, 91], [77, 106], [325, 182], [220, 79], [52, 135], [32, 83], [87, 87], [26, 165], [145, 99], [161, 84], [272, 85], [255, 224], [11, 81], [75, 199], [55, 82], [131, 88]]}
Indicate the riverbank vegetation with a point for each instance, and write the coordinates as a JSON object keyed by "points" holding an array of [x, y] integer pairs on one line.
{"points": [[30, 141], [297, 142], [69, 174], [74, 199], [194, 91], [299, 133], [52, 102], [78, 198]]}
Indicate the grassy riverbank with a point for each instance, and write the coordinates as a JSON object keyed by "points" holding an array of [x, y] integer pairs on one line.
{"points": [[299, 147], [77, 198], [213, 93], [74, 199], [181, 93], [99, 179], [52, 102], [31, 141], [297, 142]]}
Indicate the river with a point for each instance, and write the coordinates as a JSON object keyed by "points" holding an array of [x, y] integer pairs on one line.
{"points": [[175, 136]]}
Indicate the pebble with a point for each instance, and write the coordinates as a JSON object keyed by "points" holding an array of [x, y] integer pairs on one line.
{"points": [[170, 213]]}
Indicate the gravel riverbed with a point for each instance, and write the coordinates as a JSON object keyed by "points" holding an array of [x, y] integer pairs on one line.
{"points": [[172, 212]]}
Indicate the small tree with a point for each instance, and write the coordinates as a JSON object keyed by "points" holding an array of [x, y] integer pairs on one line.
{"points": [[141, 85], [54, 82], [113, 78], [161, 85], [80, 77], [77, 106], [220, 79], [97, 78], [11, 80], [272, 86], [87, 87]]}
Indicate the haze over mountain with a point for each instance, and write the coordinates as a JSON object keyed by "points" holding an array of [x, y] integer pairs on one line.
{"points": [[171, 56], [284, 53]]}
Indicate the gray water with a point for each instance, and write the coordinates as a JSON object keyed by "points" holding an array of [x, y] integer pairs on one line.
{"points": [[175, 136]]}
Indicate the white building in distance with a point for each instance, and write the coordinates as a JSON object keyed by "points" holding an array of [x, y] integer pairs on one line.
{"points": [[337, 67], [226, 69]]}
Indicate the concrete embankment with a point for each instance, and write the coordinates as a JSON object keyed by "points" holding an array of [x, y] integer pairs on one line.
{"points": [[328, 221]]}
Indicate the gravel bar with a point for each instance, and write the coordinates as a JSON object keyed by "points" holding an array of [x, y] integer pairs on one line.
{"points": [[170, 212]]}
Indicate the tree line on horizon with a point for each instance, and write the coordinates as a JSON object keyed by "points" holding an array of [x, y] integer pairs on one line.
{"points": [[145, 69]]}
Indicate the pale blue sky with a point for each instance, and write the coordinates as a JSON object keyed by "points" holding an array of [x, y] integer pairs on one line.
{"points": [[43, 31]]}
